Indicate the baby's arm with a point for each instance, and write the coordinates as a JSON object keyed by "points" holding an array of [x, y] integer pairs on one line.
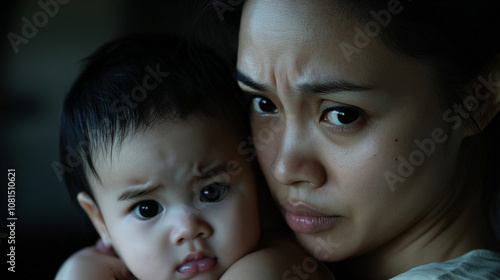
{"points": [[91, 263], [281, 259]]}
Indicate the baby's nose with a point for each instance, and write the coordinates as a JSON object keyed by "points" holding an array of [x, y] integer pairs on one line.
{"points": [[189, 226]]}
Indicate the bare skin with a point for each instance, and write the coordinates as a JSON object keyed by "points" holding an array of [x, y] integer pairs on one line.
{"points": [[325, 149], [153, 208], [317, 163], [95, 262], [277, 259]]}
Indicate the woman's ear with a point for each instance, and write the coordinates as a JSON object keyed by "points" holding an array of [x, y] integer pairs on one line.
{"points": [[483, 95], [88, 204]]}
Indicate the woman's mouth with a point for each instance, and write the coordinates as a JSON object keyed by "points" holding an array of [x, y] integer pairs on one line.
{"points": [[303, 219], [197, 262]]}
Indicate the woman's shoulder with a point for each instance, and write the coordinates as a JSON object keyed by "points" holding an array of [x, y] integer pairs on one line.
{"points": [[476, 264], [278, 259]]}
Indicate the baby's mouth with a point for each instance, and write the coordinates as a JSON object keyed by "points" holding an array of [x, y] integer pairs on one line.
{"points": [[197, 262]]}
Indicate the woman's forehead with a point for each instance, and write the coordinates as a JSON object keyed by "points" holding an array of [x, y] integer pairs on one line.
{"points": [[291, 19], [292, 36], [284, 43]]}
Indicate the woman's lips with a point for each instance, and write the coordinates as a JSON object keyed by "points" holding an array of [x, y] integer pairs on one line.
{"points": [[303, 219], [196, 263]]}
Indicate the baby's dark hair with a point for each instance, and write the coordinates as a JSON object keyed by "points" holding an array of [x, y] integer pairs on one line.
{"points": [[130, 84]]}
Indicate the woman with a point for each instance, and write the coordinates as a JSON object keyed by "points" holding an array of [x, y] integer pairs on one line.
{"points": [[375, 124], [376, 127]]}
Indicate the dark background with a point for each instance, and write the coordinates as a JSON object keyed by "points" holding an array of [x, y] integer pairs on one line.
{"points": [[33, 82]]}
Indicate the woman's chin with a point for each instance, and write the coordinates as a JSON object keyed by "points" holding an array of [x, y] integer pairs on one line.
{"points": [[323, 247]]}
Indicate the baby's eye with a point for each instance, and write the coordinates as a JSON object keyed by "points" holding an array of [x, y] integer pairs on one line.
{"points": [[147, 209], [213, 193], [340, 116], [263, 105]]}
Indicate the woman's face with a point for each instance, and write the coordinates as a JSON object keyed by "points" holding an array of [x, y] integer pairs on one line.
{"points": [[355, 146]]}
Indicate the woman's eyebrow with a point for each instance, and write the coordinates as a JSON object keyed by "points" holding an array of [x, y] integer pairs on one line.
{"points": [[323, 88], [317, 88], [138, 192], [249, 82]]}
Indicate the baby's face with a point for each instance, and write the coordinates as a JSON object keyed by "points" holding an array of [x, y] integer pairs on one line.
{"points": [[178, 201]]}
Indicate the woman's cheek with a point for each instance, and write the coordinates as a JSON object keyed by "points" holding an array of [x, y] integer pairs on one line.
{"points": [[265, 142]]}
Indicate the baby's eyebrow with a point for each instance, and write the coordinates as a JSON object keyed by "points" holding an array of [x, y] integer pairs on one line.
{"points": [[138, 192], [211, 171]]}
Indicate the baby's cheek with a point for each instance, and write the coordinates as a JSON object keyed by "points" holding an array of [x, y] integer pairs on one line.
{"points": [[243, 233], [140, 263]]}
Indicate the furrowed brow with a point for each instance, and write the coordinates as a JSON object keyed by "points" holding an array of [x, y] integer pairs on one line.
{"points": [[249, 82], [212, 171], [330, 87], [319, 88], [137, 192]]}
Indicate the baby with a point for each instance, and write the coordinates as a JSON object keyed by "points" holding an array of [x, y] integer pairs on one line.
{"points": [[160, 127]]}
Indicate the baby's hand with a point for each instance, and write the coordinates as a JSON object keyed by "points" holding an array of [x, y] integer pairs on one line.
{"points": [[98, 262]]}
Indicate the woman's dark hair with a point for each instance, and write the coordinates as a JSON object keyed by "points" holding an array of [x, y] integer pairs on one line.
{"points": [[130, 84]]}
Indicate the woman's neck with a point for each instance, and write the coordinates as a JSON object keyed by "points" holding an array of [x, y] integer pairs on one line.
{"points": [[454, 227]]}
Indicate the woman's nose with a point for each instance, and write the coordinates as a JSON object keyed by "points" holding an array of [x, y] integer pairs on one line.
{"points": [[189, 226], [296, 162]]}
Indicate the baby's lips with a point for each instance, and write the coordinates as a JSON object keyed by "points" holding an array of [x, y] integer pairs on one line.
{"points": [[196, 263]]}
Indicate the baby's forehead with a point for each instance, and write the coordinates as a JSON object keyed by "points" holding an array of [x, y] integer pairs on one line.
{"points": [[197, 137]]}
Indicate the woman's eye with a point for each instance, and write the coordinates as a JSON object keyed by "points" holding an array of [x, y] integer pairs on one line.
{"points": [[340, 116], [147, 209], [263, 105], [213, 193]]}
